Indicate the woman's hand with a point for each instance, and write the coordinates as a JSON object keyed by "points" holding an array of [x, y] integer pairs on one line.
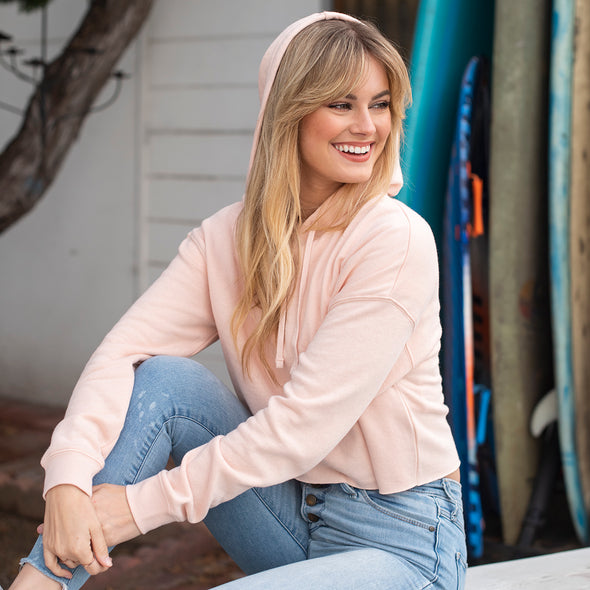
{"points": [[72, 533], [114, 514]]}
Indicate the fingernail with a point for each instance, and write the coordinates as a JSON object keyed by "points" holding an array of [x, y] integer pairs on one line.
{"points": [[109, 561]]}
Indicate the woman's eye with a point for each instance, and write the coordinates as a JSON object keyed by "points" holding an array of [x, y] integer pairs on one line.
{"points": [[340, 106], [382, 105]]}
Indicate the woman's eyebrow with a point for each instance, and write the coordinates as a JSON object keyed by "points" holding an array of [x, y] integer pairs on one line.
{"points": [[381, 94]]}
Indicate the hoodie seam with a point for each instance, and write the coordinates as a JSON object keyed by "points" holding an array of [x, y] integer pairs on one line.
{"points": [[407, 250], [393, 302]]}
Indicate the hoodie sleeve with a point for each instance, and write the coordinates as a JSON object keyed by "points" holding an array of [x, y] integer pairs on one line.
{"points": [[345, 366], [173, 317]]}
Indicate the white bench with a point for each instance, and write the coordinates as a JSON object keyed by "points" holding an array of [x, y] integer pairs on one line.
{"points": [[567, 570]]}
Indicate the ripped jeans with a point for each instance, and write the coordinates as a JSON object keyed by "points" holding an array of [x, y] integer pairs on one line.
{"points": [[293, 535]]}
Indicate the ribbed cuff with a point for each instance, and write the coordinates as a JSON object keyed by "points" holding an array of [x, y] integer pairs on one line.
{"points": [[149, 504], [70, 467]]}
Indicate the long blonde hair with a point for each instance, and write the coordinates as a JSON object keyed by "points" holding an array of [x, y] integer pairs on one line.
{"points": [[323, 62]]}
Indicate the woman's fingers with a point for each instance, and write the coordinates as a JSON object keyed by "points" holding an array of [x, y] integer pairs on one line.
{"points": [[72, 533], [101, 554], [52, 563], [69, 563], [99, 548], [94, 567]]}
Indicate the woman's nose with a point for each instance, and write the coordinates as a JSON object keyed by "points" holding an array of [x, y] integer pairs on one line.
{"points": [[363, 122]]}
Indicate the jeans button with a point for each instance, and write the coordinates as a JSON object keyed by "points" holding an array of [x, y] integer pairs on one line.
{"points": [[313, 517], [311, 500]]}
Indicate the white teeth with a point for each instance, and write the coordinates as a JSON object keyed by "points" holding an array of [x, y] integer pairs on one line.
{"points": [[351, 149]]}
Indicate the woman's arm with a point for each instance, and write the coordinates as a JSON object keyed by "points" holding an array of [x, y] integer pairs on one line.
{"points": [[173, 317]]}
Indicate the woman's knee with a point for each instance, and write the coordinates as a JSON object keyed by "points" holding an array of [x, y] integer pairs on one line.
{"points": [[176, 382], [162, 368], [164, 374]]}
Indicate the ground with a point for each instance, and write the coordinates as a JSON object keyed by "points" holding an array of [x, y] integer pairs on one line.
{"points": [[174, 557]]}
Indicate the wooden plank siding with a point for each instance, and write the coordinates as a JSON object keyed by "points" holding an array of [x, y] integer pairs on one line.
{"points": [[201, 69]]}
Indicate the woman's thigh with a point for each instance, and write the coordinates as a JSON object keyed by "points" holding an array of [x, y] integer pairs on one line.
{"points": [[362, 539], [262, 528], [360, 569]]}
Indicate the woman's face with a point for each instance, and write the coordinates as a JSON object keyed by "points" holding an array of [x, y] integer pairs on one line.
{"points": [[341, 141]]}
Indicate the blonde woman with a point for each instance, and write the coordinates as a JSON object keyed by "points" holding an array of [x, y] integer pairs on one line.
{"points": [[334, 465]]}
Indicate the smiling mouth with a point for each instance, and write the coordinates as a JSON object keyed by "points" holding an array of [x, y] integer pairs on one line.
{"points": [[355, 153], [353, 149]]}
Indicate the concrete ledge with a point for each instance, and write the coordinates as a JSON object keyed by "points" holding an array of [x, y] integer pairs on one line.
{"points": [[567, 570]]}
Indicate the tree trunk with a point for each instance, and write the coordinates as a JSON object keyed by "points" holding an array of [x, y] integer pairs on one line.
{"points": [[61, 102]]}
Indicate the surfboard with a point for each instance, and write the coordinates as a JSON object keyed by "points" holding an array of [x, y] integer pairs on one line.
{"points": [[458, 330], [580, 242], [559, 216], [520, 320], [479, 161], [447, 34]]}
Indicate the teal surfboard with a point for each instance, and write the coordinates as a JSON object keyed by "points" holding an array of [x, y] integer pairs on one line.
{"points": [[448, 33], [560, 105]]}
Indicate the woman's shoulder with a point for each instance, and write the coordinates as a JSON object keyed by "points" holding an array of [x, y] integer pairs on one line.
{"points": [[387, 218], [217, 231], [219, 225]]}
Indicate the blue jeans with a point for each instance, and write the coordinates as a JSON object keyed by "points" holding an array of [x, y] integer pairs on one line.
{"points": [[292, 535]]}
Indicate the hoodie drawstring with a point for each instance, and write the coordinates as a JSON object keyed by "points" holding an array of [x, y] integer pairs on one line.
{"points": [[280, 357], [281, 344]]}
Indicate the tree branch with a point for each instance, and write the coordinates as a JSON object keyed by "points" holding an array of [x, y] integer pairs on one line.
{"points": [[62, 100]]}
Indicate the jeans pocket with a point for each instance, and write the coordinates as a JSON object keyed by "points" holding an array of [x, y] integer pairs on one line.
{"points": [[404, 506]]}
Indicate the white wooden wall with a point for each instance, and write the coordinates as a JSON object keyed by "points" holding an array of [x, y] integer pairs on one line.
{"points": [[172, 150], [201, 105]]}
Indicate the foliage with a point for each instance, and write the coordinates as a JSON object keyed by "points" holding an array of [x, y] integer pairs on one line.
{"points": [[27, 5]]}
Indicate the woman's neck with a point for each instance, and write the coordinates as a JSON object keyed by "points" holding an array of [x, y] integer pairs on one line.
{"points": [[311, 199]]}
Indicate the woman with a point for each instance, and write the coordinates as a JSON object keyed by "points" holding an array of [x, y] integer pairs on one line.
{"points": [[334, 466]]}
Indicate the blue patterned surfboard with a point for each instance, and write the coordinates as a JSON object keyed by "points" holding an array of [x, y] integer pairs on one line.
{"points": [[458, 341]]}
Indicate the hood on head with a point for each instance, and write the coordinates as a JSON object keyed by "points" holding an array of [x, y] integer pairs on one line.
{"points": [[270, 65]]}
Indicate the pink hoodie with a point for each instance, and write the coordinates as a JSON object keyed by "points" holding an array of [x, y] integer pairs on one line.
{"points": [[356, 357]]}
